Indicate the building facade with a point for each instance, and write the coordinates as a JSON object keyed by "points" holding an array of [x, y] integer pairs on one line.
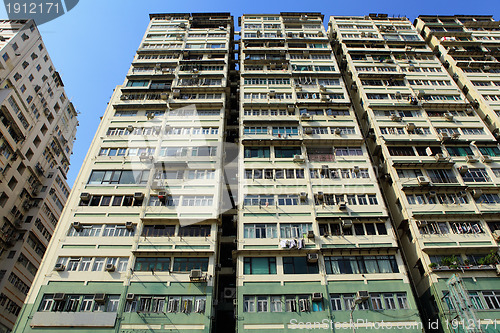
{"points": [[138, 242], [37, 129], [437, 165], [469, 47], [315, 243]]}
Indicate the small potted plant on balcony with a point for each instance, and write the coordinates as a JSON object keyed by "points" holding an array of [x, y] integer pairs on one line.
{"points": [[451, 262], [490, 260]]}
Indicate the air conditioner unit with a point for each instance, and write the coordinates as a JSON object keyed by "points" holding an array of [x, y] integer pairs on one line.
{"points": [[496, 234], [59, 267], [310, 234], [130, 297], [229, 293], [355, 169], [182, 25], [455, 135], [298, 158], [129, 225], [362, 295], [77, 225], [84, 196], [423, 180], [396, 117], [320, 195], [322, 87], [477, 193], [298, 87], [346, 224], [303, 196], [59, 297], [463, 169], [471, 159], [342, 206], [308, 130], [440, 158], [410, 127], [110, 268], [138, 196], [100, 298], [195, 274], [176, 92], [305, 116], [157, 184], [312, 257], [151, 115], [324, 98], [486, 159], [290, 107], [163, 96], [498, 269], [432, 193], [411, 68], [272, 93], [317, 297], [444, 136], [337, 131], [448, 116]]}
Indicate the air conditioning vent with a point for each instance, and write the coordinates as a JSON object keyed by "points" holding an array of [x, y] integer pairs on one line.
{"points": [[110, 268], [396, 117], [229, 293], [362, 295], [85, 196], [100, 298], [312, 257], [423, 180], [317, 297], [195, 274], [59, 267], [299, 158], [346, 224]]}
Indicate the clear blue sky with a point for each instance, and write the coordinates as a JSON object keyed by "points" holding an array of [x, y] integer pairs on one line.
{"points": [[93, 45]]}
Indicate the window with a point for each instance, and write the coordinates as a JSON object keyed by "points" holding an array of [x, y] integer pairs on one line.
{"points": [[248, 304], [276, 304], [299, 265], [186, 264], [294, 230], [286, 152], [361, 264], [260, 230], [118, 177], [160, 264], [389, 302], [257, 152], [336, 302], [476, 175], [259, 265], [402, 300]]}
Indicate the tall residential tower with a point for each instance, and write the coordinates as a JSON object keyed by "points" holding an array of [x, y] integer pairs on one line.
{"points": [[437, 165], [137, 246], [37, 128]]}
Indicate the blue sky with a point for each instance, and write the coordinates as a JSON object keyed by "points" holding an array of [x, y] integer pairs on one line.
{"points": [[93, 45]]}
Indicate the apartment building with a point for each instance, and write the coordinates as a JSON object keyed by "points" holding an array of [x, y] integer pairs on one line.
{"points": [[437, 161], [314, 239], [137, 248], [37, 128], [469, 47]]}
